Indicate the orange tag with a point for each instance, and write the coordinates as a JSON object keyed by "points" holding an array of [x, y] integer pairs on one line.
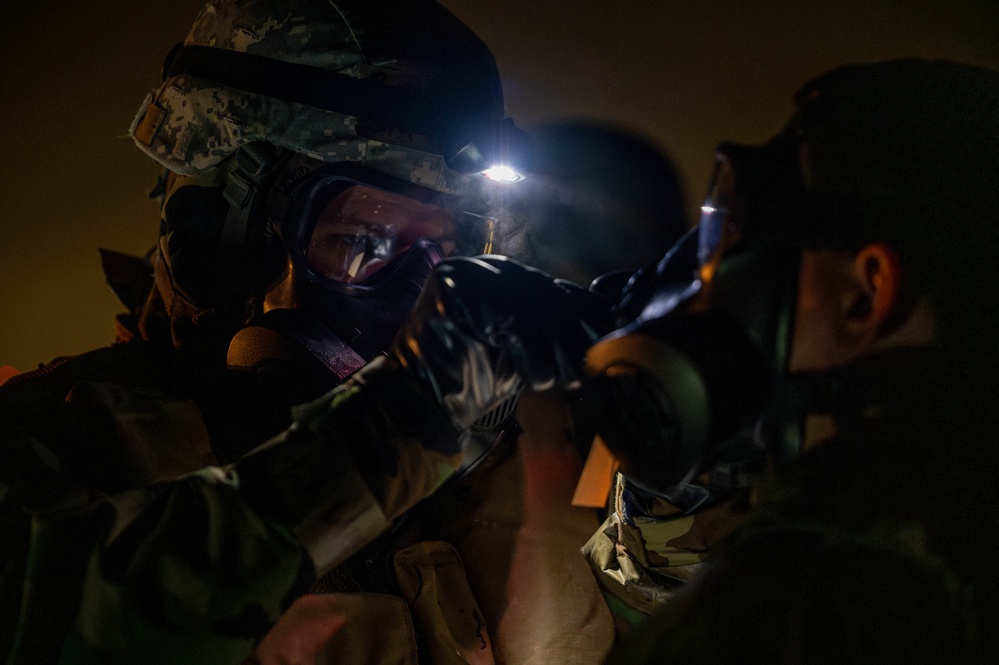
{"points": [[145, 130], [594, 486], [6, 372]]}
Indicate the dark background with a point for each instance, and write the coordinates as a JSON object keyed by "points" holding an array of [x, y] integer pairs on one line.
{"points": [[686, 73]]}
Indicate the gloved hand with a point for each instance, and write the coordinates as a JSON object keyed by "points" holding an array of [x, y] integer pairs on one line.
{"points": [[484, 327]]}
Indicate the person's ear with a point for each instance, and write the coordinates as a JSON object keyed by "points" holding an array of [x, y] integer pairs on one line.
{"points": [[878, 278]]}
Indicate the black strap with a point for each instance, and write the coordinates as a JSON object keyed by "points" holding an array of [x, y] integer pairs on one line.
{"points": [[251, 166], [408, 109], [252, 163]]}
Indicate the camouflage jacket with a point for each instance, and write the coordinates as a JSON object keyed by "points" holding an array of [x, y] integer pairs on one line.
{"points": [[648, 548], [110, 556]]}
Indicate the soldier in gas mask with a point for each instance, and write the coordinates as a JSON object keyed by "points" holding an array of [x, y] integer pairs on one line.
{"points": [[318, 163], [321, 160], [833, 319]]}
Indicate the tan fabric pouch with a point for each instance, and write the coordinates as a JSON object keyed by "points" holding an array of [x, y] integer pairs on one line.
{"points": [[432, 579]]}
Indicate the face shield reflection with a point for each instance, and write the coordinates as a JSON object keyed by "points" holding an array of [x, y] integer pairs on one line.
{"points": [[717, 229]]}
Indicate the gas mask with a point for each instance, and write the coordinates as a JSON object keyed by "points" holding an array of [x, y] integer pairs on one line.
{"points": [[362, 243], [688, 386]]}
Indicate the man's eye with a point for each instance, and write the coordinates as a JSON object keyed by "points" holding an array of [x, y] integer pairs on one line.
{"points": [[331, 240], [353, 240]]}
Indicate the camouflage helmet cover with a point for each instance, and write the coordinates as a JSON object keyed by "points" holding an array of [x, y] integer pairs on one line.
{"points": [[190, 123]]}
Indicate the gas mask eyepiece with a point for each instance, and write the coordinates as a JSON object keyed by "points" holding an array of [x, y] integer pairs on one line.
{"points": [[343, 224]]}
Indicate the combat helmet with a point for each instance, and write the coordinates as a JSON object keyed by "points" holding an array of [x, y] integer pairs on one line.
{"points": [[268, 104]]}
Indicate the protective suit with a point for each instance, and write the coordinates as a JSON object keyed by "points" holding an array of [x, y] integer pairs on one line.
{"points": [[201, 566], [320, 161]]}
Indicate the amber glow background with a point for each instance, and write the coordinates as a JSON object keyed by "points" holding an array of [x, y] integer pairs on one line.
{"points": [[686, 73]]}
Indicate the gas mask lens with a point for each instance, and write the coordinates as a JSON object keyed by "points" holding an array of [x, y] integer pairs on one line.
{"points": [[362, 228], [343, 223]]}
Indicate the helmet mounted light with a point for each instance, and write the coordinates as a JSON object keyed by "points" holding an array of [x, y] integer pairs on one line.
{"points": [[502, 174]]}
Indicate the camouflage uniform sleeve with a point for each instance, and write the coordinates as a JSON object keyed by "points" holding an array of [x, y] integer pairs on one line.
{"points": [[198, 569], [647, 550]]}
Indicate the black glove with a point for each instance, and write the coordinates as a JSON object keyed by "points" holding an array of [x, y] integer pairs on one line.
{"points": [[485, 327]]}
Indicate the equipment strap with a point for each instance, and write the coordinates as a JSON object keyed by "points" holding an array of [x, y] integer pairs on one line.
{"points": [[408, 109], [324, 345]]}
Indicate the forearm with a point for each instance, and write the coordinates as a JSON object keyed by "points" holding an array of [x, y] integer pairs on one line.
{"points": [[353, 461]]}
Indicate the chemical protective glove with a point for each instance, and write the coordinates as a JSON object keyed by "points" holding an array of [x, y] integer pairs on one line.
{"points": [[485, 327]]}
